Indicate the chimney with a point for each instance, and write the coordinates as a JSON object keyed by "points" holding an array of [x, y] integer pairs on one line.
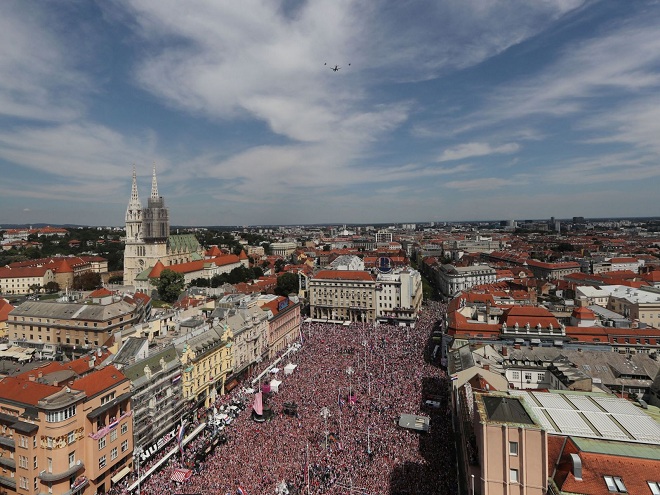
{"points": [[71, 383], [486, 367], [516, 346], [577, 466], [40, 374], [505, 350], [32, 378]]}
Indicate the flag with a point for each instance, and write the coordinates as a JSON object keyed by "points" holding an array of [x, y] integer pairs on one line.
{"points": [[181, 475], [179, 437], [258, 405], [340, 401], [240, 491], [454, 377], [302, 340]]}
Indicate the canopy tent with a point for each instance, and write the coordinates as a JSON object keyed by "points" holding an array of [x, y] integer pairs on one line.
{"points": [[274, 385], [288, 369], [275, 370]]}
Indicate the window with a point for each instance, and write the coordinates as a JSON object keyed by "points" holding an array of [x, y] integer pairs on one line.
{"points": [[49, 442], [72, 459], [35, 465], [515, 375], [71, 437], [113, 435], [24, 482], [113, 454], [615, 484], [513, 475], [528, 377], [124, 446], [49, 463], [101, 443], [655, 487], [23, 441], [102, 462], [513, 448], [107, 398], [61, 415], [22, 461], [34, 442]]}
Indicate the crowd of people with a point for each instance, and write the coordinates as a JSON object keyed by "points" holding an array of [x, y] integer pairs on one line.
{"points": [[351, 385]]}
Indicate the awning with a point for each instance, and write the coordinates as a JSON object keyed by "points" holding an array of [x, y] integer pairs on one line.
{"points": [[120, 474]]}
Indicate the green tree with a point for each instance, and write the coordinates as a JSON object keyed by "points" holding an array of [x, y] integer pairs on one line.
{"points": [[52, 287], [170, 284], [87, 281], [279, 265], [287, 283]]}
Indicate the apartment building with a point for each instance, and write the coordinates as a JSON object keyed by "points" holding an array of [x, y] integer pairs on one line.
{"points": [[24, 280], [283, 322], [342, 295], [642, 304], [155, 373], [74, 327], [398, 296], [66, 429], [454, 279]]}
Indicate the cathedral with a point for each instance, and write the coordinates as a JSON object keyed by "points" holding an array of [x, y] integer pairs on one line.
{"points": [[148, 238]]}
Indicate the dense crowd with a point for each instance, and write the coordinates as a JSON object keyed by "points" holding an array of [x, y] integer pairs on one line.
{"points": [[363, 377]]}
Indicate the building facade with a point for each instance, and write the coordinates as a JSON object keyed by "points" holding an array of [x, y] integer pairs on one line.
{"points": [[343, 295], [65, 432], [454, 279]]}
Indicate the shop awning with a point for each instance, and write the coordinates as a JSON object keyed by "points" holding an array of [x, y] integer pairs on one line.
{"points": [[120, 475]]}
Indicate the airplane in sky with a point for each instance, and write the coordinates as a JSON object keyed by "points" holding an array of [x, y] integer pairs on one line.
{"points": [[335, 68]]}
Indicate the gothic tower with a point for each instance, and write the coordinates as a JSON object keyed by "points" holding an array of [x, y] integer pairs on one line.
{"points": [[155, 217], [134, 243]]}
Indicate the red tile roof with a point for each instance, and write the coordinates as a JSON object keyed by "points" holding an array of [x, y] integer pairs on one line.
{"points": [[99, 380], [343, 275]]}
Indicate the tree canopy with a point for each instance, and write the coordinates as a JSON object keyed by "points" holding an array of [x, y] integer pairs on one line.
{"points": [[170, 284], [287, 283]]}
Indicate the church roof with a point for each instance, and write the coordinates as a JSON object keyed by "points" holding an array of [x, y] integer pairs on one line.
{"points": [[183, 242], [156, 270]]}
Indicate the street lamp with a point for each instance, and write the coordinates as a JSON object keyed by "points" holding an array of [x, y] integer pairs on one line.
{"points": [[349, 372], [325, 412], [137, 453]]}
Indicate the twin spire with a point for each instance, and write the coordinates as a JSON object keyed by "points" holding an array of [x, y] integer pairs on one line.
{"points": [[154, 184], [135, 204]]}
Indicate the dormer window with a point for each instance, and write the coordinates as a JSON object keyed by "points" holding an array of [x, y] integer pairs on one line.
{"points": [[655, 487], [615, 484]]}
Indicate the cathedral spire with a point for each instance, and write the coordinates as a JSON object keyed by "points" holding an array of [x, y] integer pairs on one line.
{"points": [[154, 185], [134, 204]]}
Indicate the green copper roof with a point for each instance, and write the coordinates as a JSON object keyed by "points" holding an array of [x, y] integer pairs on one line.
{"points": [[612, 447], [183, 242], [144, 275]]}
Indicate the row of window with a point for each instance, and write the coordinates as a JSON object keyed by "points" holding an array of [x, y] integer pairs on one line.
{"points": [[61, 415], [113, 435]]}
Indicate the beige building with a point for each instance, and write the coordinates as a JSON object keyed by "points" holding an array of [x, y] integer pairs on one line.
{"points": [[342, 295], [65, 430], [283, 322], [512, 448], [206, 359], [398, 296], [23, 280], [73, 327], [284, 249], [641, 304]]}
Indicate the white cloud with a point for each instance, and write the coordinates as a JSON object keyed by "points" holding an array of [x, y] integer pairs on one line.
{"points": [[38, 79], [482, 184], [469, 150]]}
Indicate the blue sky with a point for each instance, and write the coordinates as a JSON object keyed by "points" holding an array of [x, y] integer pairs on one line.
{"points": [[449, 110]]}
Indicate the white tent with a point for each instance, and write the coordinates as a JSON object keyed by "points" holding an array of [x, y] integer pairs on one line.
{"points": [[274, 385], [275, 370], [288, 369]]}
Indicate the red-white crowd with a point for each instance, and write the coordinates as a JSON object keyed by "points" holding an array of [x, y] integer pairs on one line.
{"points": [[364, 377]]}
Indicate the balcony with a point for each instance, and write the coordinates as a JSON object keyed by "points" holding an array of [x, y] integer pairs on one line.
{"points": [[7, 442], [8, 463], [8, 482], [44, 476]]}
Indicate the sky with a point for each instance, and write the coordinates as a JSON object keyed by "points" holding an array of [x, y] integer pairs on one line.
{"points": [[451, 110]]}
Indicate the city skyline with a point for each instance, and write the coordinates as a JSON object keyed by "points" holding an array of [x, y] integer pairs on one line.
{"points": [[493, 110]]}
